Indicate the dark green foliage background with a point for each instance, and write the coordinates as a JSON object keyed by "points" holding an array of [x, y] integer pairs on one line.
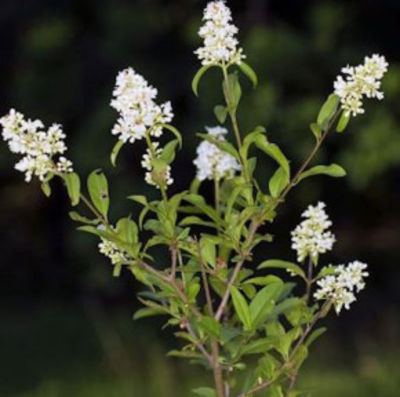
{"points": [[65, 322]]}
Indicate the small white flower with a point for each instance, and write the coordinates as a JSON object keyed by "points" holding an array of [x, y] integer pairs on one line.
{"points": [[359, 81], [146, 164], [220, 44], [312, 237], [340, 288], [134, 100], [64, 165], [37, 146], [113, 252], [212, 162]]}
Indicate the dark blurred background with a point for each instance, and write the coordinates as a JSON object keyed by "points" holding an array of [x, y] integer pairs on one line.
{"points": [[66, 327]]}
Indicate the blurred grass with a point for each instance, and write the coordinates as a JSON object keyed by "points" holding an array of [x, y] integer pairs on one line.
{"points": [[86, 351]]}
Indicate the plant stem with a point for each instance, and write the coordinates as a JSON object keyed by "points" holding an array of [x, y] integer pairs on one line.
{"points": [[174, 258], [309, 279], [206, 287], [217, 370], [231, 109], [317, 145], [232, 115], [198, 344], [303, 336], [216, 195], [253, 228], [154, 154]]}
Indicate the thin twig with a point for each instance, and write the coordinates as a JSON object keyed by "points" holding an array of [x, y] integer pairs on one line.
{"points": [[174, 258], [309, 280], [252, 231], [304, 335], [205, 280], [197, 342]]}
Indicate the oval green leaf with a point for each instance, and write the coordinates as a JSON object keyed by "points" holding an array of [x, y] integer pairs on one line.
{"points": [[98, 190]]}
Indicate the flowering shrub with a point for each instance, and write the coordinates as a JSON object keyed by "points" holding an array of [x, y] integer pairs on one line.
{"points": [[250, 327]]}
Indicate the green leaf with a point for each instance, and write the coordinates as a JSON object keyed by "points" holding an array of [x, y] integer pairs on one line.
{"points": [[142, 216], [185, 354], [276, 391], [279, 264], [249, 72], [211, 326], [259, 346], [46, 189], [241, 308], [192, 291], [197, 77], [175, 131], [263, 303], [139, 199], [343, 121], [267, 365], [98, 190], [114, 153], [326, 271], [273, 151], [222, 145], [300, 355], [333, 170], [117, 270], [232, 200], [168, 153], [232, 90], [73, 184], [96, 231], [205, 392], [208, 251], [195, 220], [127, 230], [220, 113], [199, 202], [287, 306], [278, 182], [263, 280], [327, 111], [316, 130], [194, 186], [79, 218], [149, 312], [314, 335], [250, 139]]}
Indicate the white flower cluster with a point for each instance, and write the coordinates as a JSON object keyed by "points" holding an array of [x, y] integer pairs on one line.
{"points": [[134, 100], [361, 80], [38, 147], [212, 162], [111, 251], [341, 287], [146, 164], [312, 237], [220, 44]]}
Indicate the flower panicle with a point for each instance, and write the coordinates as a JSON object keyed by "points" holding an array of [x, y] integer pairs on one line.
{"points": [[220, 45], [148, 166], [213, 163], [359, 82], [341, 287], [134, 100], [42, 150], [312, 237]]}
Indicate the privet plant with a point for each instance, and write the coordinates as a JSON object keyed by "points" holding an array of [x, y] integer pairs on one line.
{"points": [[237, 318]]}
